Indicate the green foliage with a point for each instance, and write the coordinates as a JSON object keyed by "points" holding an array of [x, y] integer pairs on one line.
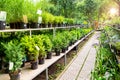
{"points": [[47, 18], [47, 43], [59, 19], [88, 8], [64, 7], [29, 45], [39, 42], [57, 42], [14, 53], [15, 9], [106, 67]]}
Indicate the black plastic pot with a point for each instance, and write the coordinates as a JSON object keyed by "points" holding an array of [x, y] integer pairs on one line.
{"points": [[70, 44], [12, 25], [66, 48], [57, 52], [41, 60], [2, 25], [14, 76], [23, 64], [34, 65], [63, 50], [34, 25], [49, 55], [21, 25]]}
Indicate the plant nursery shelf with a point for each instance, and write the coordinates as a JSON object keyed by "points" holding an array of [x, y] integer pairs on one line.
{"points": [[35, 29], [28, 74]]}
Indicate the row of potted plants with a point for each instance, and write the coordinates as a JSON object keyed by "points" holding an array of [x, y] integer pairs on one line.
{"points": [[106, 66], [25, 14], [37, 47], [114, 39]]}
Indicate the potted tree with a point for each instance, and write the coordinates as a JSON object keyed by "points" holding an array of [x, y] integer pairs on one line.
{"points": [[57, 42], [15, 14], [14, 55], [31, 50], [45, 19], [39, 42], [61, 20], [65, 42], [48, 46]]}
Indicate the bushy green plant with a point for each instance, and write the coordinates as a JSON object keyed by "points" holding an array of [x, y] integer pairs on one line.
{"points": [[56, 20], [15, 10], [45, 17], [79, 34], [73, 35], [61, 19], [65, 39], [57, 42], [31, 12], [70, 21], [29, 45], [47, 43], [39, 42], [14, 53]]}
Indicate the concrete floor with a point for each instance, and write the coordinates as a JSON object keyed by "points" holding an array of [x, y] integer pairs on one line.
{"points": [[80, 68]]}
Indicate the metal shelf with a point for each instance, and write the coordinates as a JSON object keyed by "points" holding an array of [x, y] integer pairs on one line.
{"points": [[35, 29]]}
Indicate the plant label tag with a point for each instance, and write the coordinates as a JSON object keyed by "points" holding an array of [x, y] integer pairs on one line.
{"points": [[39, 19], [37, 48], [3, 15], [11, 65]]}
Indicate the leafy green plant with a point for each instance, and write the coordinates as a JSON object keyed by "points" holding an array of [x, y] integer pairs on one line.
{"points": [[47, 43], [29, 45], [73, 35], [106, 67], [14, 53], [39, 42], [57, 42]]}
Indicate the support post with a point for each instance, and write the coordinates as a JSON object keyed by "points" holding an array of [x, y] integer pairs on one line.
{"points": [[65, 60], [30, 33], [54, 32], [46, 72]]}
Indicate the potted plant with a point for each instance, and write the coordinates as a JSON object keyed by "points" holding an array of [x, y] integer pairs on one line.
{"points": [[61, 20], [39, 42], [65, 42], [56, 21], [45, 18], [51, 20], [31, 12], [14, 55], [57, 42], [31, 50], [15, 14], [48, 46], [73, 36]]}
